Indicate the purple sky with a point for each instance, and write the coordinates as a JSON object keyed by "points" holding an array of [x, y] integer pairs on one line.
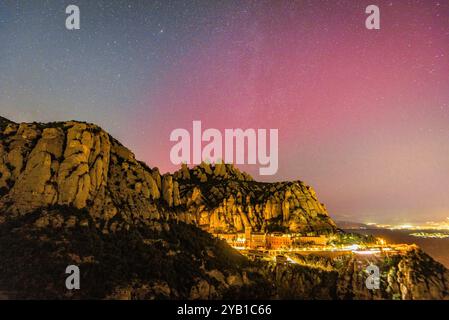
{"points": [[363, 115]]}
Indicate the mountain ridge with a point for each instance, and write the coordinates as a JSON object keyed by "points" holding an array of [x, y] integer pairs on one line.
{"points": [[72, 194], [77, 163]]}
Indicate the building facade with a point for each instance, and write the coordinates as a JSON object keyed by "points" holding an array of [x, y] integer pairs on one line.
{"points": [[257, 240]]}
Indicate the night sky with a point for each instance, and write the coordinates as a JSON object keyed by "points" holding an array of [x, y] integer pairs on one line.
{"points": [[363, 115]]}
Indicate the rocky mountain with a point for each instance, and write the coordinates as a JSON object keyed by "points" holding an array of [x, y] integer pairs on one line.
{"points": [[72, 194], [411, 275], [78, 164], [155, 260], [223, 199]]}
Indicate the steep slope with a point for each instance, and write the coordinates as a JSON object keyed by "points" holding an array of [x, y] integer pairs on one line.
{"points": [[3, 123], [78, 164], [73, 164], [157, 260], [224, 199], [411, 275], [72, 194]]}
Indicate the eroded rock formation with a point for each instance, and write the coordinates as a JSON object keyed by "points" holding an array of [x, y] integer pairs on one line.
{"points": [[411, 275], [72, 194], [78, 164]]}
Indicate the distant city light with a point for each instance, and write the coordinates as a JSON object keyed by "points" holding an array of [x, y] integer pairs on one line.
{"points": [[428, 225], [403, 226]]}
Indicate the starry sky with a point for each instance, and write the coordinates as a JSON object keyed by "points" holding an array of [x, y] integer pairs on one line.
{"points": [[363, 115]]}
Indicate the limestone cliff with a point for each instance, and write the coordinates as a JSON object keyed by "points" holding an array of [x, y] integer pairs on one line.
{"points": [[222, 198], [72, 194], [78, 164], [74, 164]]}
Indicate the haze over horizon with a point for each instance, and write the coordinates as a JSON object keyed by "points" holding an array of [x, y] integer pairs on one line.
{"points": [[363, 115]]}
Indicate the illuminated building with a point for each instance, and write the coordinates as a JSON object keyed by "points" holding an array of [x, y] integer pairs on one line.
{"points": [[271, 241]]}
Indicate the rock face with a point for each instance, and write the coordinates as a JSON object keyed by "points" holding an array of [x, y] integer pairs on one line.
{"points": [[411, 275], [220, 198], [78, 164], [72, 194], [73, 164]]}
